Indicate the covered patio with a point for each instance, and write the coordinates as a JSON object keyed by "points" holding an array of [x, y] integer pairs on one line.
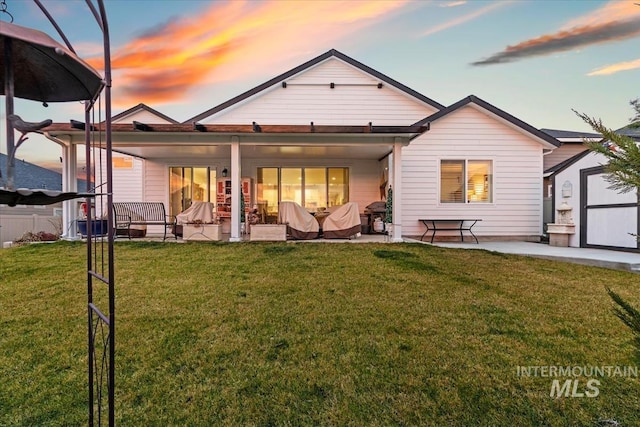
{"points": [[239, 151]]}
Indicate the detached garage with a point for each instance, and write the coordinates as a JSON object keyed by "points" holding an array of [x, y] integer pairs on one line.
{"points": [[604, 218]]}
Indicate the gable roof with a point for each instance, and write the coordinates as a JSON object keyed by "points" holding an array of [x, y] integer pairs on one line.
{"points": [[294, 71], [143, 107], [472, 99]]}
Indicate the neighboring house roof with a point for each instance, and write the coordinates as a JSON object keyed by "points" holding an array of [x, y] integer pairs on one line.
{"points": [[630, 131], [29, 175], [142, 107], [570, 135], [472, 99], [294, 71]]}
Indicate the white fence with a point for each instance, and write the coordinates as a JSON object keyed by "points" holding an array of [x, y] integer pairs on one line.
{"points": [[12, 227]]}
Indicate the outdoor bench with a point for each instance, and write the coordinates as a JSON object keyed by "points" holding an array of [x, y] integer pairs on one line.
{"points": [[127, 214], [442, 224]]}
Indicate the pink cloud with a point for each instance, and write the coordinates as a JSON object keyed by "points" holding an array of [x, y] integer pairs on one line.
{"points": [[227, 41]]}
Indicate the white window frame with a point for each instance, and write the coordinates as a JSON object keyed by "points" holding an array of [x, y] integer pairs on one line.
{"points": [[466, 201]]}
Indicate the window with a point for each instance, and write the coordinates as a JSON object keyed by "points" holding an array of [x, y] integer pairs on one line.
{"points": [[311, 187], [187, 184], [466, 181]]}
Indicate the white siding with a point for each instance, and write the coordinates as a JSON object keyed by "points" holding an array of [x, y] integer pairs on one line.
{"points": [[127, 182], [142, 116], [146, 181], [468, 133], [308, 98], [156, 187]]}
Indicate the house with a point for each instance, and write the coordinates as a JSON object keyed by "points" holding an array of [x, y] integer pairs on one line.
{"points": [[334, 130], [604, 218]]}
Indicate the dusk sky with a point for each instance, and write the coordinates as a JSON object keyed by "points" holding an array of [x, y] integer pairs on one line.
{"points": [[537, 60]]}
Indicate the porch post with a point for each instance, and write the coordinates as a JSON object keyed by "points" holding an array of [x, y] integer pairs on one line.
{"points": [[69, 183], [396, 182], [235, 190]]}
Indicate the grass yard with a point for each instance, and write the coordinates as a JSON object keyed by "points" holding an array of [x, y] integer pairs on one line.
{"points": [[315, 334]]}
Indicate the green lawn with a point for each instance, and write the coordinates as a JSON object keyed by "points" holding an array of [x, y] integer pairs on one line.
{"points": [[314, 334]]}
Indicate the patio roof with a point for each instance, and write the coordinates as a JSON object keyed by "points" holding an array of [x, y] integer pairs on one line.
{"points": [[194, 140]]}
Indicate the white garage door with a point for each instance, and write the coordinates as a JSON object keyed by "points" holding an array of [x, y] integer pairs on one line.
{"points": [[608, 219]]}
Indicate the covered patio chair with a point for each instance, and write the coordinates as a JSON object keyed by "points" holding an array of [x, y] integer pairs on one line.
{"points": [[201, 212], [301, 224], [342, 223]]}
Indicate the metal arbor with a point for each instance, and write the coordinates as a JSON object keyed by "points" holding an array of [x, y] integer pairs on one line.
{"points": [[36, 67]]}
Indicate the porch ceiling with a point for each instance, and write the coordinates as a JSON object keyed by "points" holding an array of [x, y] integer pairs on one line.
{"points": [[267, 142], [186, 152]]}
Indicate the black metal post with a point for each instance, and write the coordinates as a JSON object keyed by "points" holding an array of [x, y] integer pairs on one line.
{"points": [[8, 92]]}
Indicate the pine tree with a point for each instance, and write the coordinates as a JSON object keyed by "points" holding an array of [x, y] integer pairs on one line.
{"points": [[635, 120], [623, 173], [622, 153]]}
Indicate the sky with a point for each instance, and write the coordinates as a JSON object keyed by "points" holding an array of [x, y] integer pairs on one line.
{"points": [[538, 60]]}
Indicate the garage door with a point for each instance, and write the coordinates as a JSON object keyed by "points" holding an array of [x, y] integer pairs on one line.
{"points": [[608, 219]]}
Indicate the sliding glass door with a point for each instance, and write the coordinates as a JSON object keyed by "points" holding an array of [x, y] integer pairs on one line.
{"points": [[311, 187], [189, 184]]}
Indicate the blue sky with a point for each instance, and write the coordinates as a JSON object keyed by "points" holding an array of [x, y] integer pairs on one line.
{"points": [[537, 60]]}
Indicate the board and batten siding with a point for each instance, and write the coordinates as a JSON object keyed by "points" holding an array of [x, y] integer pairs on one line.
{"points": [[516, 210], [572, 175], [308, 98]]}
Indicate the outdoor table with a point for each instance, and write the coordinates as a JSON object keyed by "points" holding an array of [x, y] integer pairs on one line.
{"points": [[441, 224]]}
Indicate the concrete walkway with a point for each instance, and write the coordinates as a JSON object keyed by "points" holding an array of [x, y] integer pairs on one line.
{"points": [[618, 260]]}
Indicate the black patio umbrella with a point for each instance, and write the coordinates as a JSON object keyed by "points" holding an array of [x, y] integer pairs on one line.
{"points": [[33, 66], [25, 196], [43, 69]]}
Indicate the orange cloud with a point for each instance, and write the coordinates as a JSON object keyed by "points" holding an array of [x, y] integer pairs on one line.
{"points": [[615, 68], [227, 41], [613, 22]]}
